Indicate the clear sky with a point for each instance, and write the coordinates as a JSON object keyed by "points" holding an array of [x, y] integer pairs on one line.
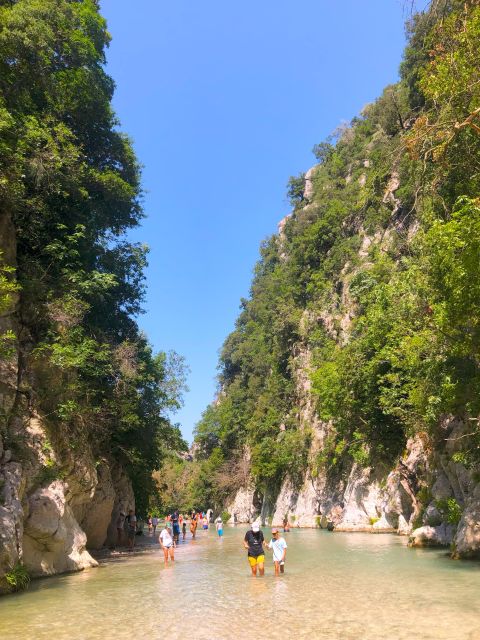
{"points": [[224, 101]]}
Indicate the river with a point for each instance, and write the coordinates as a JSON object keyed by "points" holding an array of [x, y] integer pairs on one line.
{"points": [[336, 585]]}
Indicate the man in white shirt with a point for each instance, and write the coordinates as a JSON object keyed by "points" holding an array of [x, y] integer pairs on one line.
{"points": [[279, 546], [166, 542]]}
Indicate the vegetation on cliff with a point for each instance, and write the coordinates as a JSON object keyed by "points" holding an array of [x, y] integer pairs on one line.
{"points": [[374, 275], [70, 188]]}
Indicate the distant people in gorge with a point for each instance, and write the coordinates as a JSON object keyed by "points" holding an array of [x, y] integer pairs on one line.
{"points": [[205, 522], [120, 524], [167, 543], [154, 524], [286, 526], [150, 524], [131, 522], [184, 529], [254, 542], [219, 526], [279, 547]]}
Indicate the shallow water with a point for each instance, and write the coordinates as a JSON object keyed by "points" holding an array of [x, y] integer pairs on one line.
{"points": [[337, 585]]}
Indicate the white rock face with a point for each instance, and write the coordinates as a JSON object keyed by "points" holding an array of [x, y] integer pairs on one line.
{"points": [[367, 502], [300, 507], [242, 508], [53, 541], [98, 513], [362, 500]]}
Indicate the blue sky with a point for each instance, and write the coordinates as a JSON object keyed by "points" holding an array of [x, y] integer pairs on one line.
{"points": [[224, 101]]}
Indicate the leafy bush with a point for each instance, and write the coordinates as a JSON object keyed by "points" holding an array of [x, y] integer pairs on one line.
{"points": [[450, 510], [18, 577]]}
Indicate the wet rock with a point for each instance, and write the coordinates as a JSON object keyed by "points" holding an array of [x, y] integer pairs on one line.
{"points": [[426, 536]]}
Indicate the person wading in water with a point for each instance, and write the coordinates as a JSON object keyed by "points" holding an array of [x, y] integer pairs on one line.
{"points": [[254, 542], [279, 546], [193, 526], [166, 542]]}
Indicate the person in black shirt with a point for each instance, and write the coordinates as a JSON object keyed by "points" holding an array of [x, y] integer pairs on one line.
{"points": [[176, 527], [254, 542]]}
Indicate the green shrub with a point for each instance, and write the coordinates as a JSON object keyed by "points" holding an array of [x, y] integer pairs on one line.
{"points": [[226, 516], [450, 510], [373, 520], [18, 578]]}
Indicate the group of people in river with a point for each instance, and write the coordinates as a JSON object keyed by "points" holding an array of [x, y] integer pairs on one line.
{"points": [[175, 525]]}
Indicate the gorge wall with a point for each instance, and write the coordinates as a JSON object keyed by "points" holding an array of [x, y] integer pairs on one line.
{"points": [[350, 385], [56, 501], [410, 498], [84, 400]]}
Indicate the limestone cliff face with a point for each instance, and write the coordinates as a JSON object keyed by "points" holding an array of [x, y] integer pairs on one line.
{"points": [[403, 499], [56, 502]]}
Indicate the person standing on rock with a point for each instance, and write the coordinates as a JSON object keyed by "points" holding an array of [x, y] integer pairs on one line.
{"points": [[279, 547], [131, 529], [253, 542], [167, 544]]}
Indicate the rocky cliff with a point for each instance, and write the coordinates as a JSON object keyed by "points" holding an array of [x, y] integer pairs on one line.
{"points": [[84, 399], [428, 495], [57, 501]]}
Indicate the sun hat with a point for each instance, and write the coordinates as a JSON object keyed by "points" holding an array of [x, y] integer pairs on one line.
{"points": [[274, 530], [255, 526]]}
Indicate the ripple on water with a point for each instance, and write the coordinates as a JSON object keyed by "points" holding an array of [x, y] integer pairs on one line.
{"points": [[345, 586]]}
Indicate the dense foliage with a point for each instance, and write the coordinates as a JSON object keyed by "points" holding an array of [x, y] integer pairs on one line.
{"points": [[70, 182], [374, 276]]}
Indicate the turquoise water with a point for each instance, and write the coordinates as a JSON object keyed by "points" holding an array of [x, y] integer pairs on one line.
{"points": [[336, 585]]}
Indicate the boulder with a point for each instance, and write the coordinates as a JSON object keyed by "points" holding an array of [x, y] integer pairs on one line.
{"points": [[426, 536], [53, 541]]}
